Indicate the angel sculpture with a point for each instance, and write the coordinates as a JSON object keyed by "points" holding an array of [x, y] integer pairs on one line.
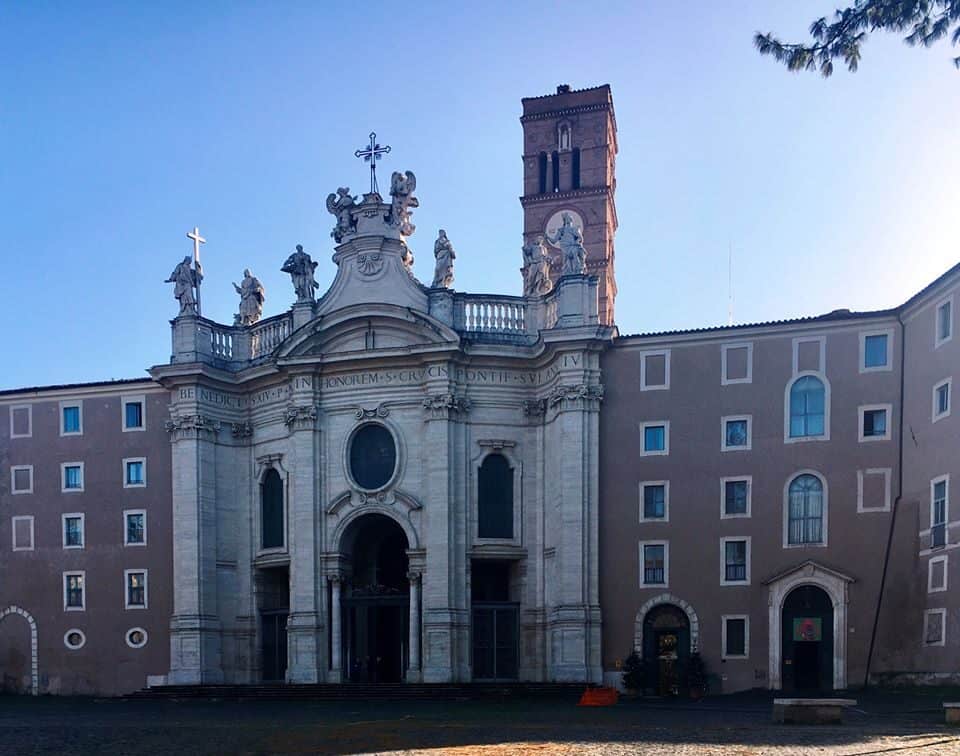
{"points": [[402, 187], [340, 205]]}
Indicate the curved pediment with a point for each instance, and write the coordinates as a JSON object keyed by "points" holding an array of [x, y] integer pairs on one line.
{"points": [[368, 328]]}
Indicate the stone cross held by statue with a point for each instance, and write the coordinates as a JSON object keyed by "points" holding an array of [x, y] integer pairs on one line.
{"points": [[197, 241], [371, 155]]}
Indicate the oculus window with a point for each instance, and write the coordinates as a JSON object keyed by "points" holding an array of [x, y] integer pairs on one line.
{"points": [[373, 456]]}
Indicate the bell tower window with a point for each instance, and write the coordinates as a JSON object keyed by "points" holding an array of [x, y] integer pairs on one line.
{"points": [[542, 173], [555, 173], [575, 169]]}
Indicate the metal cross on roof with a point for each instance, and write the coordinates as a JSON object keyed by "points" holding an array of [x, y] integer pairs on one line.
{"points": [[371, 155]]}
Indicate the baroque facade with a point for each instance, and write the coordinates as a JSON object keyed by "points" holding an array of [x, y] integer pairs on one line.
{"points": [[399, 482]]}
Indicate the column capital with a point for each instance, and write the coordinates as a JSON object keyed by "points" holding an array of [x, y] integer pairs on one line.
{"points": [[414, 576]]}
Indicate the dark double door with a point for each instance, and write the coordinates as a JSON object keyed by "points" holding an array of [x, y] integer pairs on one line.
{"points": [[376, 634], [273, 628], [495, 641], [807, 640]]}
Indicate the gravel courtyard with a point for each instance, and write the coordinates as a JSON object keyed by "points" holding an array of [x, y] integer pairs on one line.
{"points": [[898, 724]]}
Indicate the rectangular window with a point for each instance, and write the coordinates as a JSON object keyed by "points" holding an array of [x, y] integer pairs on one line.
{"points": [[71, 476], [73, 531], [736, 634], [135, 472], [133, 418], [736, 364], [135, 527], [934, 627], [736, 497], [873, 489], [136, 588], [656, 438], [71, 419], [736, 433], [655, 370], [654, 563], [655, 500], [941, 399], [874, 423], [74, 598], [735, 557], [21, 421], [944, 322], [21, 479], [937, 574], [876, 352], [23, 533], [938, 512]]}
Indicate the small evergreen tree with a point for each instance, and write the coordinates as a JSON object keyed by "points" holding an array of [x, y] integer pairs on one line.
{"points": [[696, 673], [633, 672]]}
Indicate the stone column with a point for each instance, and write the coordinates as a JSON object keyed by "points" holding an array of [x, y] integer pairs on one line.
{"points": [[195, 640], [413, 671], [336, 625]]}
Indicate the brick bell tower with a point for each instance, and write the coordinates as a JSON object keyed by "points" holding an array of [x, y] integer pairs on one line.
{"points": [[569, 158]]}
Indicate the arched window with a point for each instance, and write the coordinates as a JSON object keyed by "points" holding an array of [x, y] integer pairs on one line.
{"points": [[495, 498], [271, 510], [555, 178], [807, 407], [542, 172], [805, 513], [575, 160]]}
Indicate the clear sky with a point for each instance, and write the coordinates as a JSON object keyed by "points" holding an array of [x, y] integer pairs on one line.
{"points": [[123, 125]]}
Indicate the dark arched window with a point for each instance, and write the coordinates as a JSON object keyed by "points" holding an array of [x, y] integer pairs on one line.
{"points": [[271, 510], [576, 168], [542, 168], [805, 515], [555, 179], [495, 498], [807, 407]]}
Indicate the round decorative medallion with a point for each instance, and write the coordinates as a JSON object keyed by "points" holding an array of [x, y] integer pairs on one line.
{"points": [[136, 637], [372, 456], [556, 220], [370, 263], [74, 639]]}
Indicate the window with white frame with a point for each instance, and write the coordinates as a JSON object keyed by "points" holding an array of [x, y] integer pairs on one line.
{"points": [[22, 526], [806, 506], [655, 370], [808, 408], [73, 535], [71, 476], [654, 500], [941, 399], [873, 489], [737, 433], [736, 364], [21, 421], [875, 351], [135, 589], [735, 496], [136, 637], [944, 322], [134, 417], [874, 422], [939, 505], [937, 574], [655, 437], [74, 591], [71, 418], [935, 627], [654, 563], [135, 472], [736, 636], [135, 527], [74, 639], [21, 479], [735, 560]]}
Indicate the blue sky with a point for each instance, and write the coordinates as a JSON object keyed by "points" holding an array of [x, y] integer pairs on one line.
{"points": [[123, 125]]}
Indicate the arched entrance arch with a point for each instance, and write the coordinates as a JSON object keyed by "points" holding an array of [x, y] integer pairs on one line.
{"points": [[34, 664], [666, 598], [375, 604], [666, 633]]}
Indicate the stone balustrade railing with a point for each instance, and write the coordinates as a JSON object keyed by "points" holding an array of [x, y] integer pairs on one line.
{"points": [[268, 334], [481, 313]]}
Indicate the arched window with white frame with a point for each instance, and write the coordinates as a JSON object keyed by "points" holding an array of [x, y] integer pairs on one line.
{"points": [[807, 405], [806, 510]]}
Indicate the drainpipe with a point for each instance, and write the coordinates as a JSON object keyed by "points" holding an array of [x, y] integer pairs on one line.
{"points": [[896, 505]]}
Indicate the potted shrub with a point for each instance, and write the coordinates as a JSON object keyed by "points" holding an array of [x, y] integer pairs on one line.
{"points": [[696, 676], [633, 677]]}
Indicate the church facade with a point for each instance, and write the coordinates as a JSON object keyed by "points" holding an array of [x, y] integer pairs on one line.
{"points": [[399, 482]]}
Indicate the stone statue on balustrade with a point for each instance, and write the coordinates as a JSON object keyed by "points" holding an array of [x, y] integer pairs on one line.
{"points": [[402, 187], [570, 241], [251, 293], [536, 269], [445, 255], [340, 205], [301, 268], [186, 279]]}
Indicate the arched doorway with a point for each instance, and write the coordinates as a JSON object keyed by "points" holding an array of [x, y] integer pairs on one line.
{"points": [[807, 640], [18, 653], [376, 600], [666, 643]]}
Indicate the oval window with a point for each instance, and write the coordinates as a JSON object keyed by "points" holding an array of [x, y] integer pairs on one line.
{"points": [[74, 639], [373, 456], [137, 637]]}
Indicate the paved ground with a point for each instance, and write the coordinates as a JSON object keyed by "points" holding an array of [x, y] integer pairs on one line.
{"points": [[897, 724]]}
